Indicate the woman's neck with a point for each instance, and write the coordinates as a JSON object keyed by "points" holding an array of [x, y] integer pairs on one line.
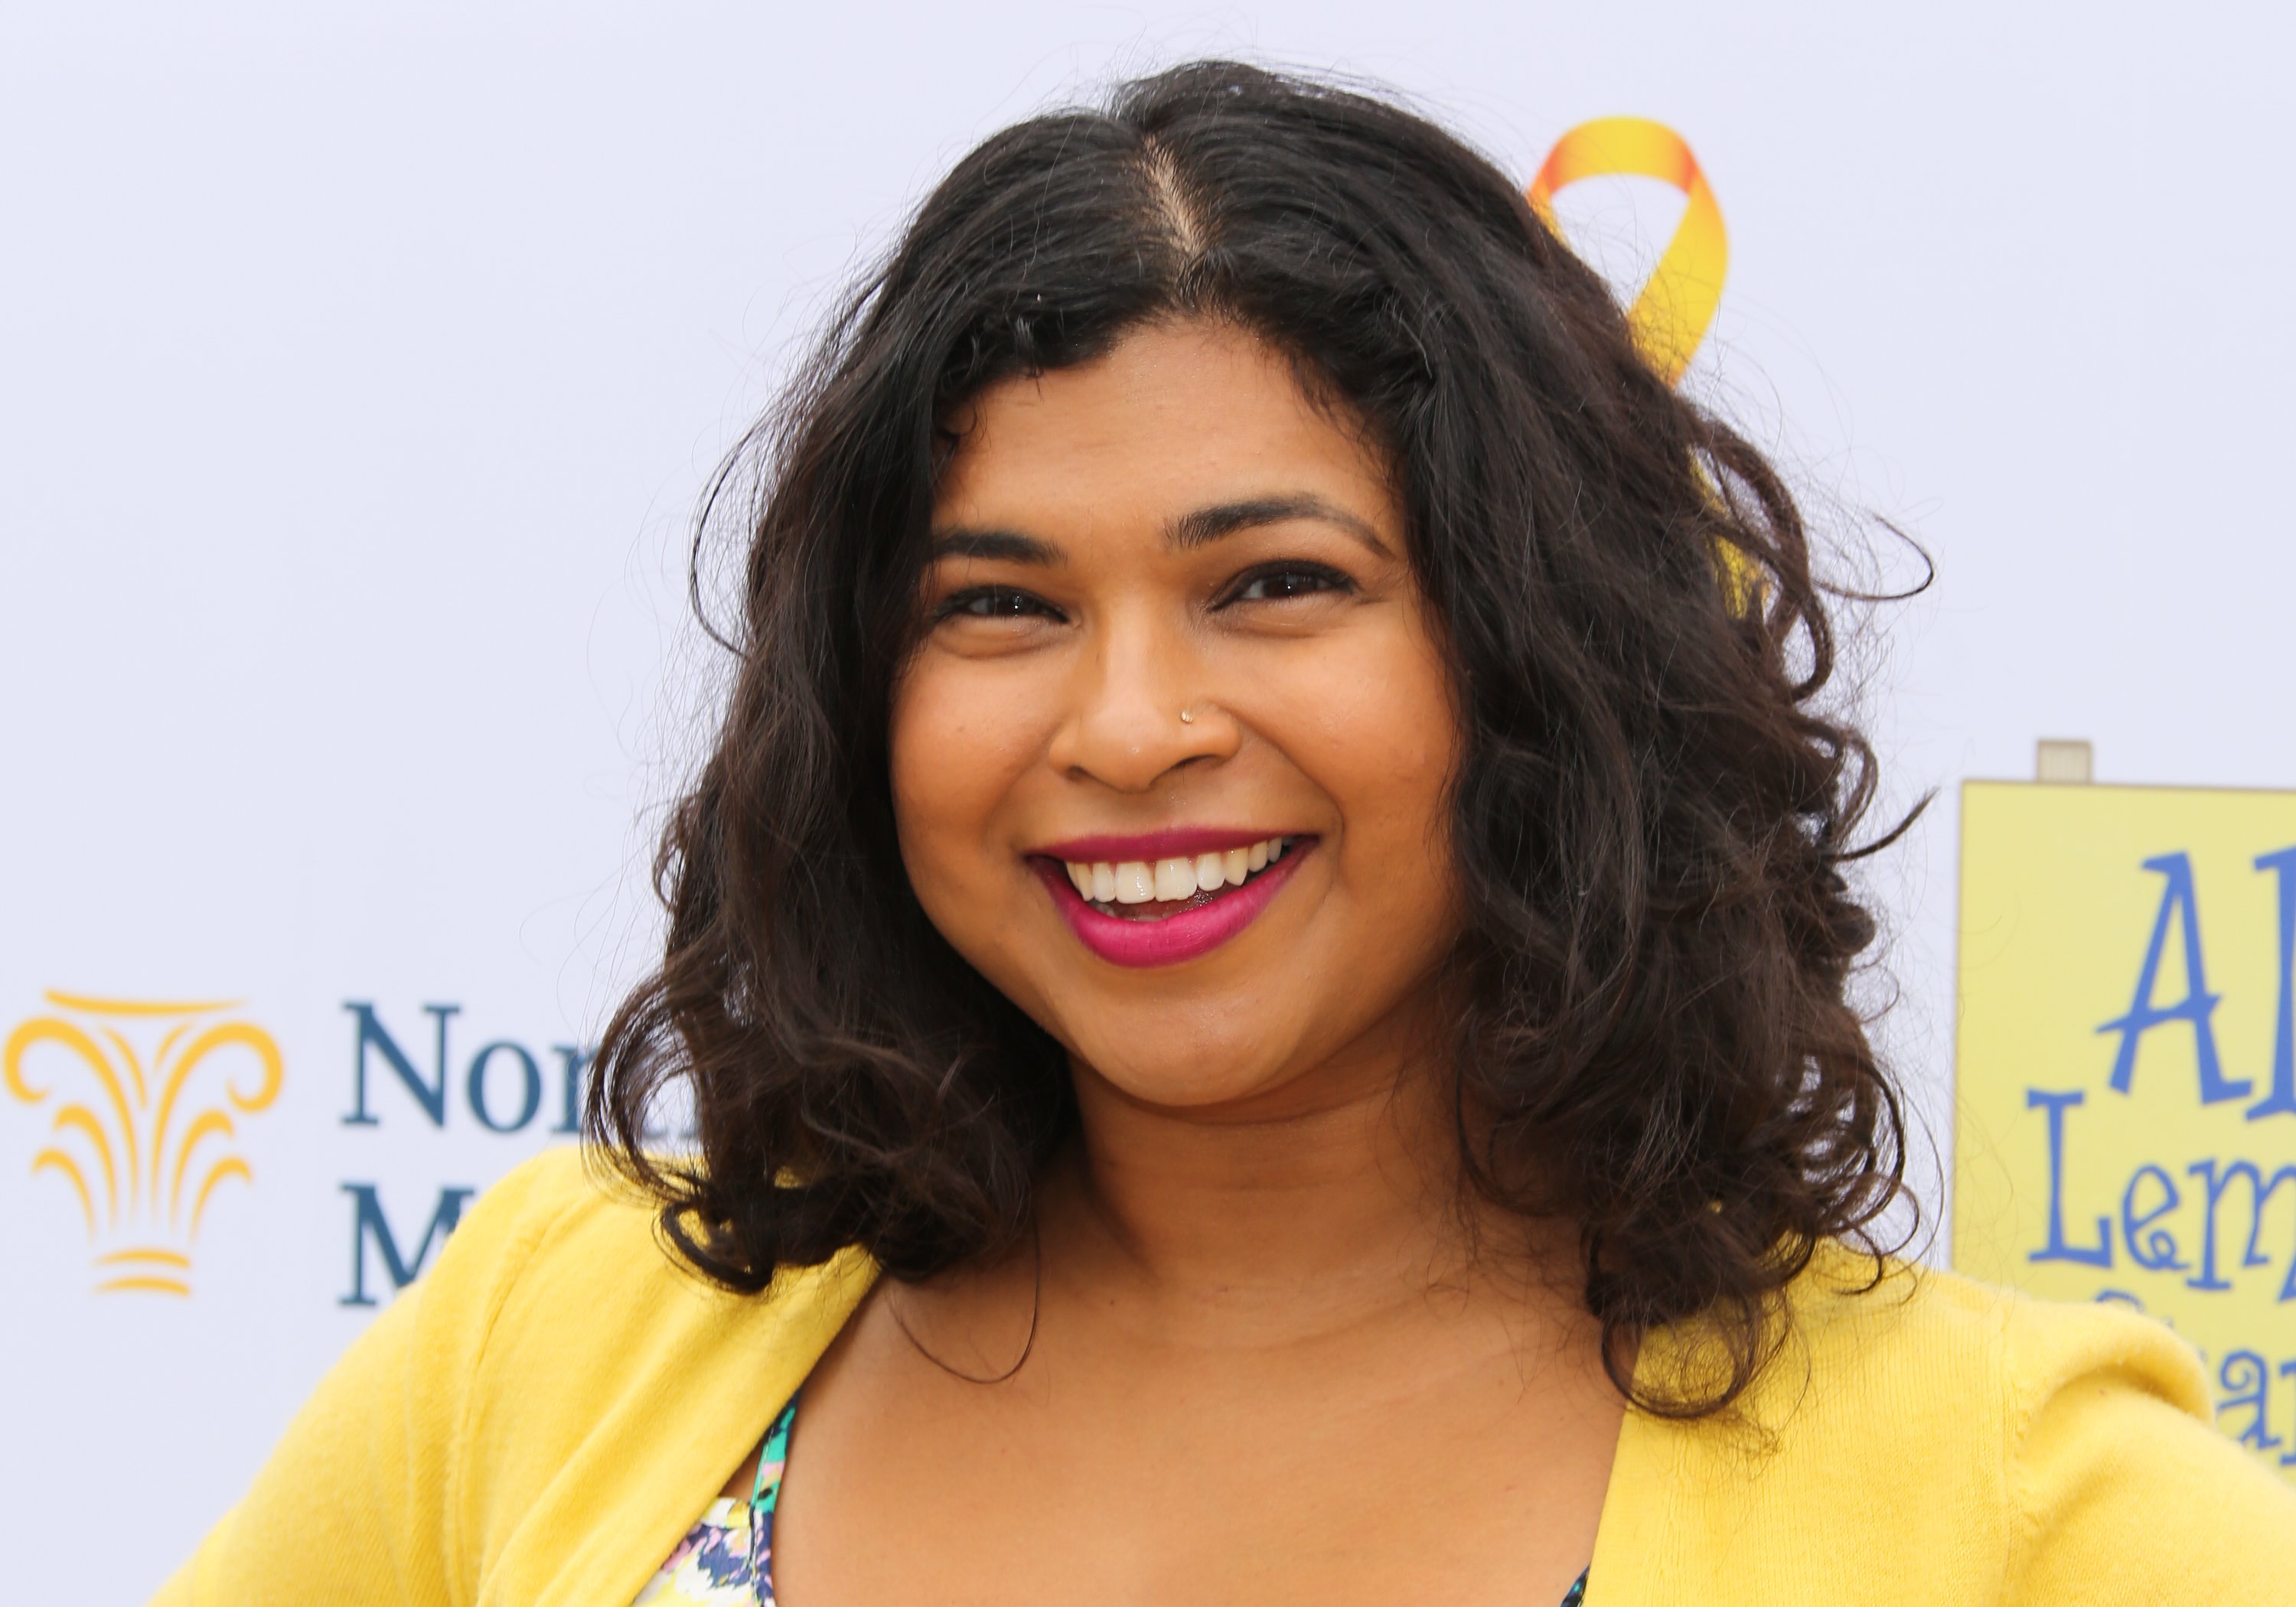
{"points": [[1326, 1204]]}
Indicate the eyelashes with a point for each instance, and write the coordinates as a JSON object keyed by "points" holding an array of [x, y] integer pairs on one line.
{"points": [[994, 603], [1284, 581]]}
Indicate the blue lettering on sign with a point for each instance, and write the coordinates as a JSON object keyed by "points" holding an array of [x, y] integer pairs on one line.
{"points": [[574, 1063], [2216, 1187], [369, 1226], [2245, 1376], [2056, 1248], [504, 1086], [2282, 1100], [2195, 1228], [2154, 1248], [2288, 1370], [530, 1087], [2181, 903], [371, 1034], [503, 1064]]}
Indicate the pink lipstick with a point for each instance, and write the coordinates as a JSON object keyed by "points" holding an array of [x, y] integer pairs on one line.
{"points": [[1196, 925]]}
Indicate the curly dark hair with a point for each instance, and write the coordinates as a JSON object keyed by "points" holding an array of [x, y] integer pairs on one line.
{"points": [[1651, 815]]}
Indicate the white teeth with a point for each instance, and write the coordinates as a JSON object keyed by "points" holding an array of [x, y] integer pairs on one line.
{"points": [[1175, 879], [1171, 880]]}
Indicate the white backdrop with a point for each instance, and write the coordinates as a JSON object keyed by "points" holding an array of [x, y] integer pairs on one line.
{"points": [[359, 369]]}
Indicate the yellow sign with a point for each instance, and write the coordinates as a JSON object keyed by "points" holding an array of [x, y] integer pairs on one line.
{"points": [[142, 1137], [1671, 316], [2125, 1124]]}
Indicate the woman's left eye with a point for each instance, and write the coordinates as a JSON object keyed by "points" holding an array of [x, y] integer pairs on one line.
{"points": [[1278, 582]]}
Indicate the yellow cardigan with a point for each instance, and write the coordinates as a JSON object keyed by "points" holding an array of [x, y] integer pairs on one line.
{"points": [[541, 1416]]}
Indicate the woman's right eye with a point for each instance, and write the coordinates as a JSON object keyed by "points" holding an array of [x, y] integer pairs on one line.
{"points": [[994, 603]]}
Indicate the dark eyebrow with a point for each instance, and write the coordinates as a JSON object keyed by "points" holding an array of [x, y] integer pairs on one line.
{"points": [[1206, 525], [1009, 546], [1199, 528]]}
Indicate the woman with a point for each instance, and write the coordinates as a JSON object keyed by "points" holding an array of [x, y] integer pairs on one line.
{"points": [[1260, 963]]}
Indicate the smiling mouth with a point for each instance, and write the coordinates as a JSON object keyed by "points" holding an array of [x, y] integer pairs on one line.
{"points": [[1165, 911], [1143, 890]]}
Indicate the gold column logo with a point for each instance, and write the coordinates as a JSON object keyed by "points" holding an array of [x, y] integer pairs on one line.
{"points": [[144, 1139]]}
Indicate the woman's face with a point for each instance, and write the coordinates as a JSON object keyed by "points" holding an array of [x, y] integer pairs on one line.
{"points": [[1170, 623]]}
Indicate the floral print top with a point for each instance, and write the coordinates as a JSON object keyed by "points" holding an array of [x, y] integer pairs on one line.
{"points": [[726, 1559]]}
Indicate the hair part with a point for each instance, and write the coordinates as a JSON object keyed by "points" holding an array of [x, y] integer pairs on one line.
{"points": [[1651, 817]]}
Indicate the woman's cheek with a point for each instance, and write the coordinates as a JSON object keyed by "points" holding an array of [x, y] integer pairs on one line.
{"points": [[933, 768], [959, 741], [1377, 730]]}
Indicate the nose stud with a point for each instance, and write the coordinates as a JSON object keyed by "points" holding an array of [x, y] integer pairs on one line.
{"points": [[1188, 716]]}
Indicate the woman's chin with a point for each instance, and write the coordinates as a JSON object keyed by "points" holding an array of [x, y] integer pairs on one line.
{"points": [[1197, 1076]]}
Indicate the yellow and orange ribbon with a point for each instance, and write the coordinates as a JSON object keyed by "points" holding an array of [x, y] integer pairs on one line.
{"points": [[1671, 314]]}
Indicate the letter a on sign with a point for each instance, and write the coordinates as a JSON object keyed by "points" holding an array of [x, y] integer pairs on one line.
{"points": [[2178, 902]]}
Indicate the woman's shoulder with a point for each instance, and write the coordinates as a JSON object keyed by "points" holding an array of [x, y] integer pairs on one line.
{"points": [[1924, 1363], [598, 1375], [554, 1237], [564, 1257], [543, 1411], [1912, 1331], [1968, 1436], [560, 1216]]}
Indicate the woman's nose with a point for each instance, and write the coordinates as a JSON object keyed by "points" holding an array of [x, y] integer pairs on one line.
{"points": [[1125, 725]]}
